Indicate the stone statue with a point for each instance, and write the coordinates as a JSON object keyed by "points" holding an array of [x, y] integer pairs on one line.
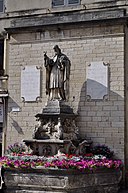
{"points": [[40, 131], [48, 129], [57, 75], [70, 131]]}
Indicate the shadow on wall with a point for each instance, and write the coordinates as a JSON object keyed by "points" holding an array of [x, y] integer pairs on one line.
{"points": [[99, 119], [17, 127], [14, 107]]}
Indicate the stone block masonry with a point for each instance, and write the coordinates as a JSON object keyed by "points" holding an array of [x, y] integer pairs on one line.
{"points": [[61, 181], [99, 120]]}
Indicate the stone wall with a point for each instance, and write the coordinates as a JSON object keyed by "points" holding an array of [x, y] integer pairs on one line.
{"points": [[101, 121], [14, 5], [20, 8], [22, 5]]}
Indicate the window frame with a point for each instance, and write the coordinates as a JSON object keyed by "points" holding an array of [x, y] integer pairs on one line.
{"points": [[66, 4], [2, 57], [2, 11], [72, 3]]}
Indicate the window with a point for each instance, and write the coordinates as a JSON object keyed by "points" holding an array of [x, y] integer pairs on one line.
{"points": [[57, 3], [1, 5], [71, 2], [1, 56]]}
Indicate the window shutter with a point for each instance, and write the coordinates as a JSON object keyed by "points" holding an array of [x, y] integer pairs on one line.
{"points": [[57, 3], [1, 5], [70, 2]]}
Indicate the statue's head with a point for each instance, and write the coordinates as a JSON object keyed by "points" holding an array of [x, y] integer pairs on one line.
{"points": [[57, 49]]}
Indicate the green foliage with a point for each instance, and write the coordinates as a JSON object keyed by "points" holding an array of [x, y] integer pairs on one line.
{"points": [[102, 150]]}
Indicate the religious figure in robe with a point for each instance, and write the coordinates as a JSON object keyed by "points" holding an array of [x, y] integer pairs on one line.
{"points": [[57, 75]]}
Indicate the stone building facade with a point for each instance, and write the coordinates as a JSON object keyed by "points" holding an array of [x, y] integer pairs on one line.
{"points": [[87, 31]]}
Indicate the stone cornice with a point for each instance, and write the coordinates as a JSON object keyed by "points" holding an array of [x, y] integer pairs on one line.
{"points": [[30, 23]]}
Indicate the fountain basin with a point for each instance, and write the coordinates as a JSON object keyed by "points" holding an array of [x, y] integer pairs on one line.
{"points": [[61, 180]]}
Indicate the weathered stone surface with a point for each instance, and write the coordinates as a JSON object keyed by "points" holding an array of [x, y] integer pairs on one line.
{"points": [[61, 181], [56, 107], [46, 147], [65, 18], [100, 121], [56, 131]]}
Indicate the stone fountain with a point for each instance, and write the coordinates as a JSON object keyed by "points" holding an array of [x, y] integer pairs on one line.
{"points": [[56, 131]]}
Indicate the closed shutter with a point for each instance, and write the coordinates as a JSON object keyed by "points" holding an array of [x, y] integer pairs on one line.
{"points": [[73, 2], [57, 3], [1, 57], [1, 5]]}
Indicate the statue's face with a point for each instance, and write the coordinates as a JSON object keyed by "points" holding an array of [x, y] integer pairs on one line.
{"points": [[57, 51]]}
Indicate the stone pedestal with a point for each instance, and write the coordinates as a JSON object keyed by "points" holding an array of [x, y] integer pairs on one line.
{"points": [[47, 147], [56, 131], [57, 107]]}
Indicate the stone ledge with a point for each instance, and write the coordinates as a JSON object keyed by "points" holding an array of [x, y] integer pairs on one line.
{"points": [[31, 23], [61, 181]]}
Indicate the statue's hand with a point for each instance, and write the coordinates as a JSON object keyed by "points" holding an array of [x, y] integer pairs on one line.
{"points": [[45, 55], [45, 59]]}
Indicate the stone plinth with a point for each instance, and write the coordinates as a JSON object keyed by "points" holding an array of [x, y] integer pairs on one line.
{"points": [[57, 107], [46, 147], [56, 131], [61, 181]]}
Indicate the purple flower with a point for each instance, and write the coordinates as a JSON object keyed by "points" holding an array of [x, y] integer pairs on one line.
{"points": [[78, 163]]}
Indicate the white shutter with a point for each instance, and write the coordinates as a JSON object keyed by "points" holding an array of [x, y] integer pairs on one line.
{"points": [[56, 3], [70, 2]]}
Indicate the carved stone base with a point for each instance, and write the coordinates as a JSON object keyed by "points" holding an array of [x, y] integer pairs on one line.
{"points": [[57, 121], [47, 147], [57, 107], [53, 147], [56, 131]]}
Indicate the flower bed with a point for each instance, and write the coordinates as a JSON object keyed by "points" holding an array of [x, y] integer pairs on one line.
{"points": [[61, 180], [61, 173], [62, 162]]}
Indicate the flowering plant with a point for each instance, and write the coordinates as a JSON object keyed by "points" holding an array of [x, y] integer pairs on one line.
{"points": [[102, 150], [99, 157], [16, 148], [62, 162]]}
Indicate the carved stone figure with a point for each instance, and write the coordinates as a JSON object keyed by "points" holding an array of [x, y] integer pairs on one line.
{"points": [[48, 129], [40, 131], [57, 75], [70, 131]]}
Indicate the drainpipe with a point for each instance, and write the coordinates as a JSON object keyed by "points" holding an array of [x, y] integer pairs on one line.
{"points": [[5, 101]]}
